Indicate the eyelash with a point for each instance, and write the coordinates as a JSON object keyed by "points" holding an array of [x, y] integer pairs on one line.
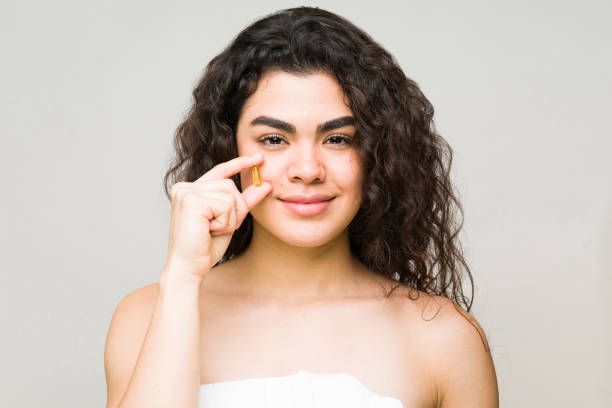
{"points": [[347, 140]]}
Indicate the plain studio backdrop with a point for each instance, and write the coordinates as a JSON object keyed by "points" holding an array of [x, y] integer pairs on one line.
{"points": [[91, 93]]}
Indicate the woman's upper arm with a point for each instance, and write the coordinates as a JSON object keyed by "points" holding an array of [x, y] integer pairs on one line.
{"points": [[126, 334], [467, 373]]}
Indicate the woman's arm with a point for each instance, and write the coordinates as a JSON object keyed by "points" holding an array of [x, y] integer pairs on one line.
{"points": [[165, 370], [466, 370], [152, 349]]}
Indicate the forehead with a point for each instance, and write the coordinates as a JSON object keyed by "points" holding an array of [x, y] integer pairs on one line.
{"points": [[290, 96]]}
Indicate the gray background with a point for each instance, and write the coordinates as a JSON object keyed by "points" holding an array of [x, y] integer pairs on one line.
{"points": [[93, 91]]}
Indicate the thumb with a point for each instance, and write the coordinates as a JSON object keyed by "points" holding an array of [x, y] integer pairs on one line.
{"points": [[254, 194]]}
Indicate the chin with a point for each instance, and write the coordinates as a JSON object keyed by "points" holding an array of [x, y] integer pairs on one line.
{"points": [[306, 240], [305, 235], [300, 233]]}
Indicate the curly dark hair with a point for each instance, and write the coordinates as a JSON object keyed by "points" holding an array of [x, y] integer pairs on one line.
{"points": [[406, 227]]}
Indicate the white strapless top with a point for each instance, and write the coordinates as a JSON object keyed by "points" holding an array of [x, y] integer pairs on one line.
{"points": [[303, 389]]}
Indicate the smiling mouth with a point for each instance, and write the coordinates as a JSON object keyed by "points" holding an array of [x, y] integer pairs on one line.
{"points": [[307, 209], [306, 202]]}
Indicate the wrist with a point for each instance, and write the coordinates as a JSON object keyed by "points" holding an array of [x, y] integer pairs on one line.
{"points": [[176, 276]]}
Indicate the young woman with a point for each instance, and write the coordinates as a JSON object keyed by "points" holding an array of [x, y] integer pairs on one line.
{"points": [[312, 255]]}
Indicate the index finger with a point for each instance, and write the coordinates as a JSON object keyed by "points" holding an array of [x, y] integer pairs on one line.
{"points": [[231, 167]]}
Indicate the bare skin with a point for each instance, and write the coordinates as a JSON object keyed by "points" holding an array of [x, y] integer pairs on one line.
{"points": [[408, 346], [296, 298], [317, 308], [357, 333]]}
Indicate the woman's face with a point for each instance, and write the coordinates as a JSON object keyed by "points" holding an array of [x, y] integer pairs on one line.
{"points": [[303, 128]]}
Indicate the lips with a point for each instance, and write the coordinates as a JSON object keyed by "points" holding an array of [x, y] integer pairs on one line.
{"points": [[299, 198], [306, 208]]}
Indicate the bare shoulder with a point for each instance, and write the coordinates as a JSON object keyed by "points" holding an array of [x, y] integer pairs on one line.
{"points": [[458, 349], [454, 327], [126, 333], [452, 349]]}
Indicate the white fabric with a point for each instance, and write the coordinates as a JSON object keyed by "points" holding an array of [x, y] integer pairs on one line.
{"points": [[304, 389]]}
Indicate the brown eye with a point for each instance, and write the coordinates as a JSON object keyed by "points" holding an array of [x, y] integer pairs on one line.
{"points": [[272, 139], [343, 139], [275, 140]]}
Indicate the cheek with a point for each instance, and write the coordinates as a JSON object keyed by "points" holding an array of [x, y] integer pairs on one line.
{"points": [[270, 171], [357, 172], [355, 164], [349, 174]]}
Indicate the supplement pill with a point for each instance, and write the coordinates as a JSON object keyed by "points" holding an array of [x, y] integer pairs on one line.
{"points": [[256, 176]]}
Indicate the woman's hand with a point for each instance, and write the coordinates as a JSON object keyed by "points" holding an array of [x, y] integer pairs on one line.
{"points": [[205, 214]]}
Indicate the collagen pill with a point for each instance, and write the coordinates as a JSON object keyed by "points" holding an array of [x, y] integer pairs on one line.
{"points": [[256, 176]]}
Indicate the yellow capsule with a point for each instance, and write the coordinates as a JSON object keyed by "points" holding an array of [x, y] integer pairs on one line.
{"points": [[256, 176]]}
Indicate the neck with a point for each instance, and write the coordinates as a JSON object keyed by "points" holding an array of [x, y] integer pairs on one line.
{"points": [[275, 269]]}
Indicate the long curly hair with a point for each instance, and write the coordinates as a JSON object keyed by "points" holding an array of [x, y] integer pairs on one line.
{"points": [[406, 228]]}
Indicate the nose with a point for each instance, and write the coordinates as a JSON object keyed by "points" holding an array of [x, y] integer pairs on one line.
{"points": [[306, 165]]}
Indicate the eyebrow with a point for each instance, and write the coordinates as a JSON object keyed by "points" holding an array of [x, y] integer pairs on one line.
{"points": [[288, 127]]}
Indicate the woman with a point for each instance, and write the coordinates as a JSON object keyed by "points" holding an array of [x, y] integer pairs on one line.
{"points": [[336, 280]]}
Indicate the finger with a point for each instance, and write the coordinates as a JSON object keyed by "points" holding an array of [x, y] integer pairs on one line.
{"points": [[229, 198], [191, 190], [231, 226], [233, 219], [254, 194], [231, 167], [220, 209], [227, 186], [227, 190], [221, 217]]}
